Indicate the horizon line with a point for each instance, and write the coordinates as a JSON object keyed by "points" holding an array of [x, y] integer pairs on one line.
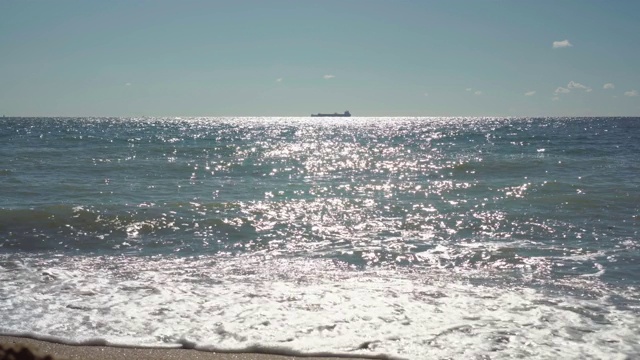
{"points": [[309, 116]]}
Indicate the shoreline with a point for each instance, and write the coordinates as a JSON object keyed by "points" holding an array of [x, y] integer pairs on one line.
{"points": [[78, 352]]}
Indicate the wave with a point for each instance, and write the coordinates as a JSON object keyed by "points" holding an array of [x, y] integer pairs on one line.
{"points": [[70, 228], [310, 307]]}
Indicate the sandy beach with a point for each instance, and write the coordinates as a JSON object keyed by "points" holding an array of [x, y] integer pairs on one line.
{"points": [[73, 352]]}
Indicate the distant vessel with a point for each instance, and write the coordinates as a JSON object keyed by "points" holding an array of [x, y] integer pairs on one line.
{"points": [[345, 114]]}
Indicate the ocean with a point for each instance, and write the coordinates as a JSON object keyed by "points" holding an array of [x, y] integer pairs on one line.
{"points": [[402, 238]]}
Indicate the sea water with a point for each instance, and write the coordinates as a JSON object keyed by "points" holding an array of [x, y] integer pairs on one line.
{"points": [[408, 238]]}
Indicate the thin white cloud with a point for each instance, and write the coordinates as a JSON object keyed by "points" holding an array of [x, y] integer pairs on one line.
{"points": [[572, 85], [575, 85], [529, 93], [279, 80], [608, 86], [477, 92], [329, 77], [561, 44], [468, 89], [632, 93], [127, 84], [426, 94], [555, 98]]}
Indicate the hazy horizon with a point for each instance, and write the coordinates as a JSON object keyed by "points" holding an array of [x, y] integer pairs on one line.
{"points": [[291, 58]]}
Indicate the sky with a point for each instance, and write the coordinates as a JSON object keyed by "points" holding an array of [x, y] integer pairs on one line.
{"points": [[297, 57]]}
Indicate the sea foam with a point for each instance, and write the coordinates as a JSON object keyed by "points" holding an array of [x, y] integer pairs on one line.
{"points": [[306, 307]]}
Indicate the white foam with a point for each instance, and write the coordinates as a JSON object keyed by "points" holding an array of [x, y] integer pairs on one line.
{"points": [[302, 307]]}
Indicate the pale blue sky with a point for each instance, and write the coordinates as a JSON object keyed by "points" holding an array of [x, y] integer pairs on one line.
{"points": [[293, 58]]}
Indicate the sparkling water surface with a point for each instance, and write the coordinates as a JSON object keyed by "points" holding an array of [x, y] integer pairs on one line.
{"points": [[383, 237]]}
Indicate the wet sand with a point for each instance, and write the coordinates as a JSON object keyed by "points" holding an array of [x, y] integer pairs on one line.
{"points": [[74, 352]]}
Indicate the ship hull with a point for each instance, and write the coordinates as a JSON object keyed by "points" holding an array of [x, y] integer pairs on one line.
{"points": [[345, 114]]}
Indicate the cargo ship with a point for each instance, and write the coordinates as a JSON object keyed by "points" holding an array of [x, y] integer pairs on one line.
{"points": [[345, 114]]}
